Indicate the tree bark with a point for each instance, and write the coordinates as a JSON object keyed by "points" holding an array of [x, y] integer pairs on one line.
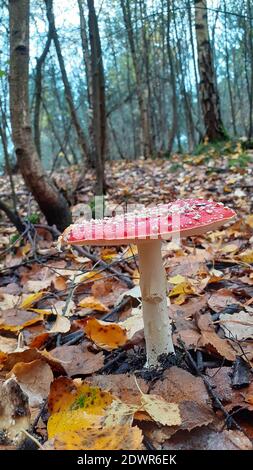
{"points": [[142, 94], [38, 92], [209, 96], [98, 98], [51, 202], [68, 93]]}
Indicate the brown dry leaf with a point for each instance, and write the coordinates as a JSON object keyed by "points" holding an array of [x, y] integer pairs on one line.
{"points": [[230, 397], [93, 304], [78, 360], [222, 299], [121, 437], [74, 406], [208, 439], [60, 283], [122, 386], [35, 335], [106, 335], [179, 385], [14, 410], [190, 338], [34, 378], [238, 326], [217, 345], [15, 320], [8, 361]]}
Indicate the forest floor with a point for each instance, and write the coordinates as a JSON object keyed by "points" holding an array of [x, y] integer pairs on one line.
{"points": [[66, 385]]}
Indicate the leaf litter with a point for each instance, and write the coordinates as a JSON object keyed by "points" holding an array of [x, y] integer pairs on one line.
{"points": [[71, 331]]}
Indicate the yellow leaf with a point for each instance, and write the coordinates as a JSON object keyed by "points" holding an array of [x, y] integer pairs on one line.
{"points": [[27, 302], [89, 276], [136, 277], [177, 279], [161, 411], [121, 437], [16, 320], [131, 251], [75, 406], [246, 256], [106, 335], [93, 304], [108, 254], [231, 248], [25, 249], [41, 310], [180, 299], [249, 220], [182, 288]]}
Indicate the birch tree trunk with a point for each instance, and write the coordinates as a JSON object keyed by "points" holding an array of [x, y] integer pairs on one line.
{"points": [[209, 96], [51, 202], [142, 93]]}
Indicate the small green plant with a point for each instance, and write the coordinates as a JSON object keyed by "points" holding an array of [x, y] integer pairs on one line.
{"points": [[241, 161], [175, 167], [34, 218], [14, 238]]}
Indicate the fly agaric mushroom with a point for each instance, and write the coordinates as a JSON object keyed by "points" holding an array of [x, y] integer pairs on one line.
{"points": [[147, 229]]}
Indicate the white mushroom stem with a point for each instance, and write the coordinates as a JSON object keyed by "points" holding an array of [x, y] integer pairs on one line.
{"points": [[157, 324]]}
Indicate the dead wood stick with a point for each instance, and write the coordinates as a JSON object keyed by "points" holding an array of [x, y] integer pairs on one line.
{"points": [[213, 395]]}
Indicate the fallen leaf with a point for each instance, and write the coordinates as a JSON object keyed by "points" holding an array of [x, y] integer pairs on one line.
{"points": [[215, 344], [167, 414], [246, 256], [93, 304], [179, 385], [121, 437], [61, 325], [34, 378], [27, 302], [106, 335], [122, 386], [78, 360], [15, 320], [237, 326], [221, 299], [7, 345], [75, 406], [208, 439]]}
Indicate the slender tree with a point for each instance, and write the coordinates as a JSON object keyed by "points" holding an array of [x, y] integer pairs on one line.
{"points": [[209, 96], [51, 202], [97, 98], [68, 93]]}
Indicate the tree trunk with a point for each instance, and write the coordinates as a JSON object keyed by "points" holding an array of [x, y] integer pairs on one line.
{"points": [[68, 93], [98, 98], [38, 92], [209, 96], [174, 126], [142, 95], [51, 202]]}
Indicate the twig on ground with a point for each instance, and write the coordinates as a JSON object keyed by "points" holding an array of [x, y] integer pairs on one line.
{"points": [[228, 417]]}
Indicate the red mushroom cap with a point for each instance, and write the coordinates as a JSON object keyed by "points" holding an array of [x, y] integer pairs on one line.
{"points": [[186, 217]]}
